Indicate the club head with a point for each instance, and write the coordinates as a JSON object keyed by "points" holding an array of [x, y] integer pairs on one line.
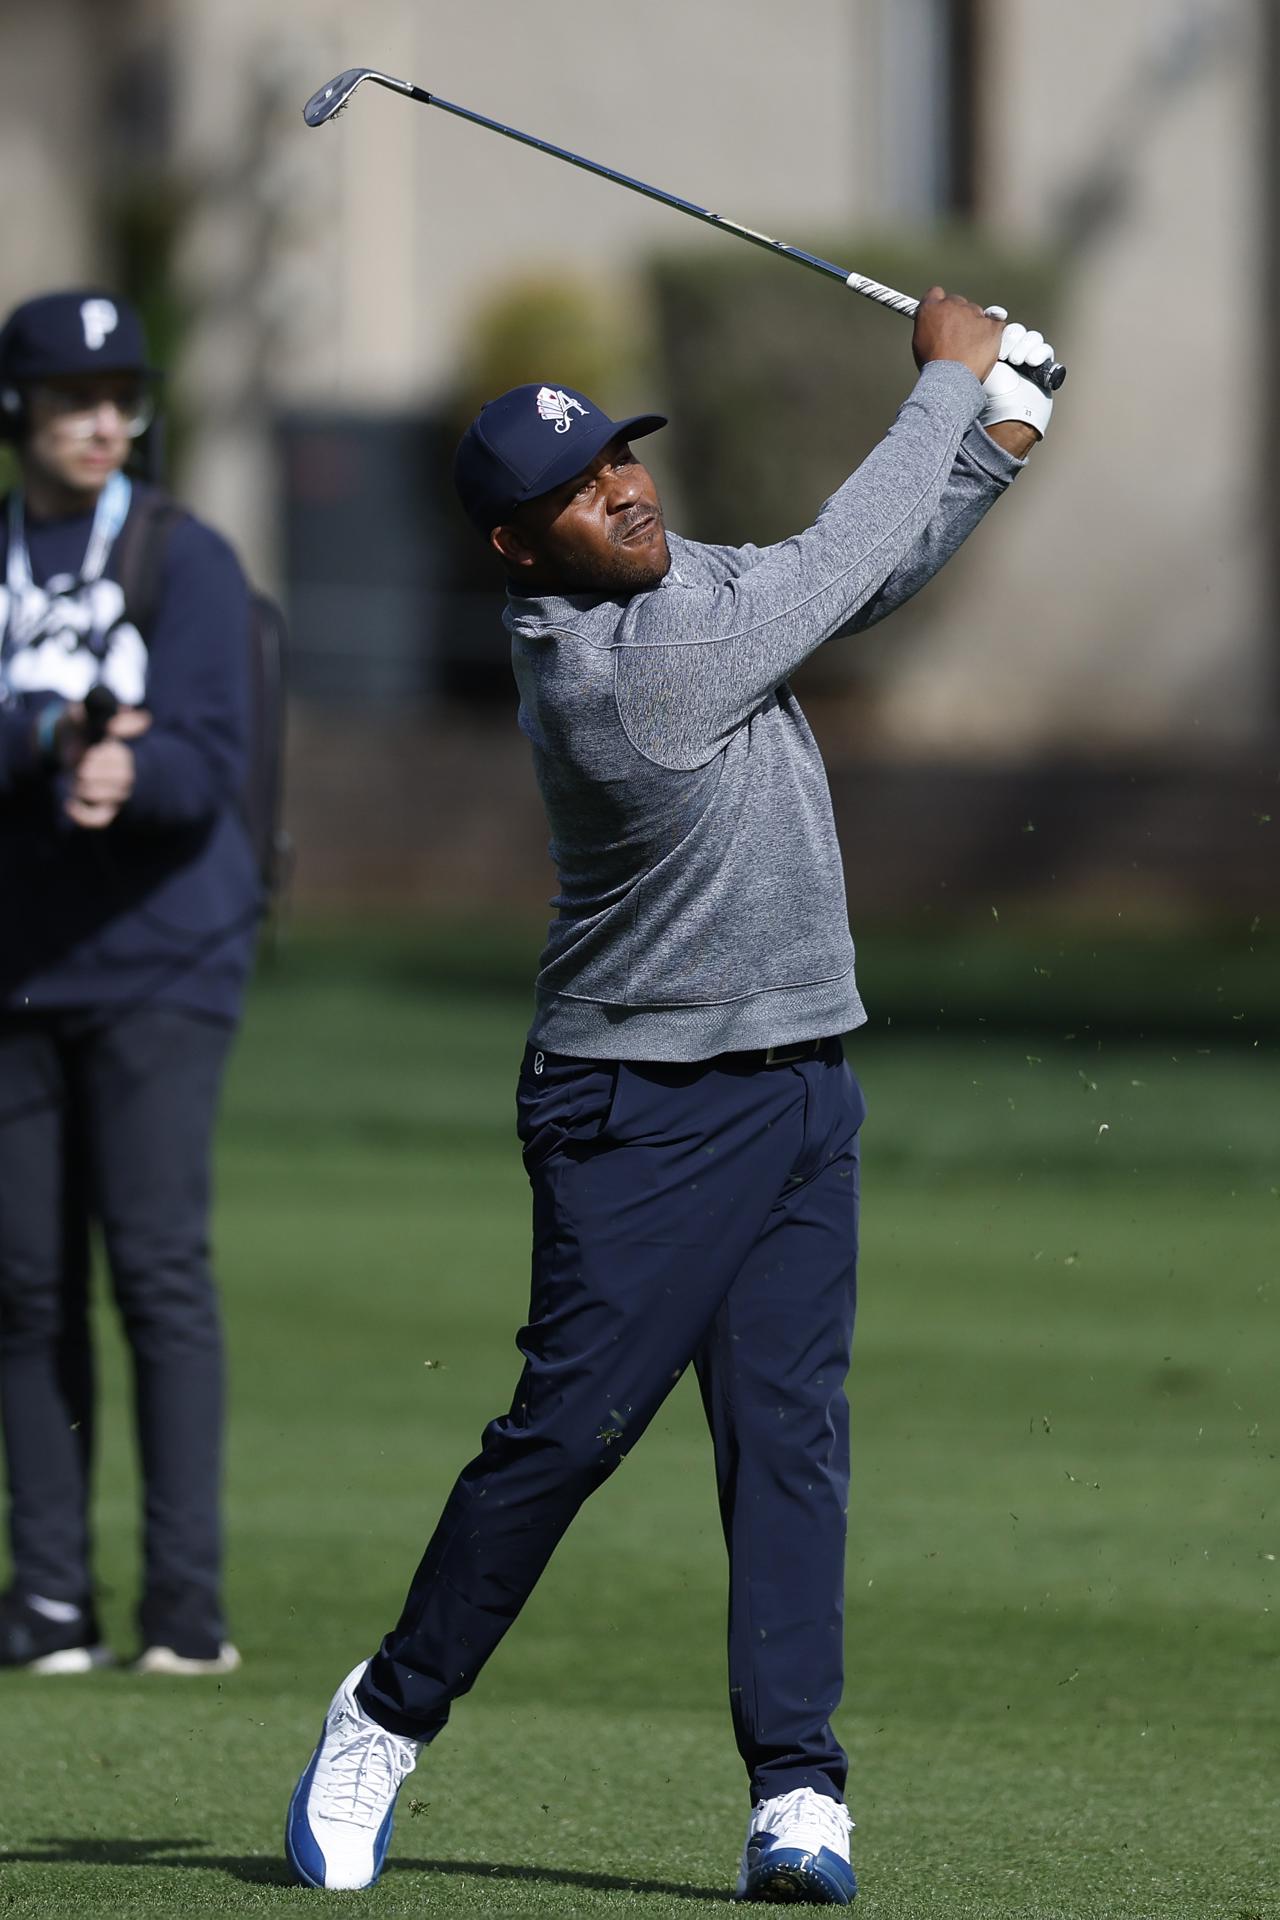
{"points": [[332, 99]]}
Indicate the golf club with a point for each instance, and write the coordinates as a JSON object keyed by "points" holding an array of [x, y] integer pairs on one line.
{"points": [[331, 100]]}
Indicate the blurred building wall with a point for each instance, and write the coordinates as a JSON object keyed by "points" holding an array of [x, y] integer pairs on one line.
{"points": [[48, 125], [1120, 601], [375, 236]]}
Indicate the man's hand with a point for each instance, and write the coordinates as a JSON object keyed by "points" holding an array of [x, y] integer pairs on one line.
{"points": [[104, 773], [1010, 398], [949, 327]]}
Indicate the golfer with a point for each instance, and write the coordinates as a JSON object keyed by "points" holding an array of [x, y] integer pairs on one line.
{"points": [[690, 1126]]}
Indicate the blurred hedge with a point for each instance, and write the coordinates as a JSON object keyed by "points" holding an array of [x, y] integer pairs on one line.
{"points": [[584, 334], [780, 382], [581, 333]]}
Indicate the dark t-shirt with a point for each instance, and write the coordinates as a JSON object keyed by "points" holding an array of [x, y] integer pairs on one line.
{"points": [[160, 907]]}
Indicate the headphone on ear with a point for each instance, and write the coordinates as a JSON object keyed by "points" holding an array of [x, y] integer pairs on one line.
{"points": [[13, 413]]}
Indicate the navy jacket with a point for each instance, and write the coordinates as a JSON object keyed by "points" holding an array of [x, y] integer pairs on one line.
{"points": [[160, 907]]}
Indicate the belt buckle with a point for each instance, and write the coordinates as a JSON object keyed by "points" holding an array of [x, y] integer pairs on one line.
{"points": [[790, 1050]]}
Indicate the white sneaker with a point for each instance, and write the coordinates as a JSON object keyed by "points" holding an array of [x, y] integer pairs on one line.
{"points": [[50, 1636], [339, 1823], [168, 1660], [798, 1849]]}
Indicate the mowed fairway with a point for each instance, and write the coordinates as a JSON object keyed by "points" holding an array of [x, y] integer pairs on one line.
{"points": [[1064, 1663]]}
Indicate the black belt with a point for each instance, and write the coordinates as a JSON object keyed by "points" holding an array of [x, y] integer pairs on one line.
{"points": [[784, 1056], [790, 1053]]}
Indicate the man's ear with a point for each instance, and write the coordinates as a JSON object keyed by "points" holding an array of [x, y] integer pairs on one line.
{"points": [[511, 548]]}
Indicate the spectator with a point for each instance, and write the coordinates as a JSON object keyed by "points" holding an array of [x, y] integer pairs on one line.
{"points": [[130, 902]]}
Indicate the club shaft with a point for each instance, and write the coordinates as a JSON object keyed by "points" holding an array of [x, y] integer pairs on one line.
{"points": [[1050, 378], [873, 290], [675, 200]]}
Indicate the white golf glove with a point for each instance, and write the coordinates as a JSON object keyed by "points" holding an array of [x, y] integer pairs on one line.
{"points": [[1009, 396]]}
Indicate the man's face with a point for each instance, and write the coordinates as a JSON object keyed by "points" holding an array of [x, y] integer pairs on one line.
{"points": [[80, 429], [601, 532]]}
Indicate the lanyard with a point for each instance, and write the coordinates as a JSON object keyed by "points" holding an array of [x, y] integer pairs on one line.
{"points": [[109, 516]]}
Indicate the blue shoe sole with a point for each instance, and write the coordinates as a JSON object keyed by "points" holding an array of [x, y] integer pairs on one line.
{"points": [[797, 1882]]}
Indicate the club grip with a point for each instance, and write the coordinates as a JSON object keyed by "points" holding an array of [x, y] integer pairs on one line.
{"points": [[1048, 377], [100, 708]]}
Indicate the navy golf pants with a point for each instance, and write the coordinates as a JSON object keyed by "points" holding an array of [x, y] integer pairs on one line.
{"points": [[109, 1117], [703, 1213]]}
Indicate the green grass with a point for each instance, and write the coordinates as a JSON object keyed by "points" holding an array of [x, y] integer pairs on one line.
{"points": [[1064, 1668]]}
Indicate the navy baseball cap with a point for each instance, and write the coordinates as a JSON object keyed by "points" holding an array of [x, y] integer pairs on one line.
{"points": [[81, 331], [529, 441]]}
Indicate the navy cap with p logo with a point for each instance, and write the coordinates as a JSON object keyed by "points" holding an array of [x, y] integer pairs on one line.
{"points": [[82, 331], [530, 441]]}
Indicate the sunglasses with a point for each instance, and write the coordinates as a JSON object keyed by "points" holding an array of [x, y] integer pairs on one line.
{"points": [[77, 413]]}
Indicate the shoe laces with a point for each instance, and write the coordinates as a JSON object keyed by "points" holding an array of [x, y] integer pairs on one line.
{"points": [[809, 1810], [364, 1767]]}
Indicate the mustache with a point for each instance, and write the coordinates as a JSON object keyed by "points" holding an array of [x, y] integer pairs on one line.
{"points": [[637, 521]]}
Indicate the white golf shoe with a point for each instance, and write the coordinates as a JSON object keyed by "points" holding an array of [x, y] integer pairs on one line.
{"points": [[223, 1659], [798, 1850], [339, 1824]]}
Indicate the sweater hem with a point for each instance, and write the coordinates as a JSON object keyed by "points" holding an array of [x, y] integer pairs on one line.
{"points": [[674, 1035]]}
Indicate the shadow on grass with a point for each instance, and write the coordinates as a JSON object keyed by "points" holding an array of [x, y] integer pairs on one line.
{"points": [[260, 1871], [561, 1877], [53, 1850]]}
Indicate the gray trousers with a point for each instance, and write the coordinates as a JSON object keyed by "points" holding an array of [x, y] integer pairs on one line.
{"points": [[107, 1117]]}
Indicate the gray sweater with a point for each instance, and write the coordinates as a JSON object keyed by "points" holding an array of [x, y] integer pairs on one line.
{"points": [[701, 907]]}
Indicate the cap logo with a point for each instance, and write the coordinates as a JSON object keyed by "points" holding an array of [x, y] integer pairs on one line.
{"points": [[555, 404], [98, 318]]}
